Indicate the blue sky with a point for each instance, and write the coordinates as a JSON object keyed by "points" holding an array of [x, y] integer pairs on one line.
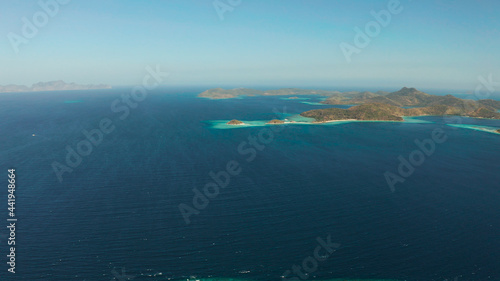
{"points": [[429, 44]]}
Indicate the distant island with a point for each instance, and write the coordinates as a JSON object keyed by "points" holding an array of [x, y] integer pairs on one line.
{"points": [[235, 122], [219, 93], [50, 86], [381, 106], [276, 122]]}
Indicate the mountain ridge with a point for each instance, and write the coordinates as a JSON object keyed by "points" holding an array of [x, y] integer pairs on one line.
{"points": [[391, 107], [57, 85]]}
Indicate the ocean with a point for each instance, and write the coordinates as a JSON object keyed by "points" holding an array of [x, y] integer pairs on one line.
{"points": [[123, 209]]}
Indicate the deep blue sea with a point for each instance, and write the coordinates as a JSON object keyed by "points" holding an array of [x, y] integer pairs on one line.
{"points": [[116, 215]]}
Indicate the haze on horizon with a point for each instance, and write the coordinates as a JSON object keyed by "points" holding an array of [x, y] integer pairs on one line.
{"points": [[440, 44]]}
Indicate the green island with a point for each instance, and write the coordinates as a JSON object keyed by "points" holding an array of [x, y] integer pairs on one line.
{"points": [[378, 106]]}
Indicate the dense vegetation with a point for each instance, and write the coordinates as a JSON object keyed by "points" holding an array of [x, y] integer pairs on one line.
{"points": [[371, 111]]}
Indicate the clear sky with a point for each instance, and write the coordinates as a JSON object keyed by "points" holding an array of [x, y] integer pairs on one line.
{"points": [[429, 44]]}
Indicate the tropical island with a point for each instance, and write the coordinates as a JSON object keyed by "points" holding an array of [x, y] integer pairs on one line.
{"points": [[276, 122], [405, 102], [381, 106], [369, 111], [235, 122], [50, 86]]}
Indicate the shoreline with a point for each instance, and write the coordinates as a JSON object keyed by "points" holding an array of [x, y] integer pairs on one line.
{"points": [[479, 128], [222, 124]]}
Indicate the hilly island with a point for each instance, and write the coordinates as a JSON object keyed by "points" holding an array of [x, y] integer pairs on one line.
{"points": [[381, 106], [58, 85]]}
